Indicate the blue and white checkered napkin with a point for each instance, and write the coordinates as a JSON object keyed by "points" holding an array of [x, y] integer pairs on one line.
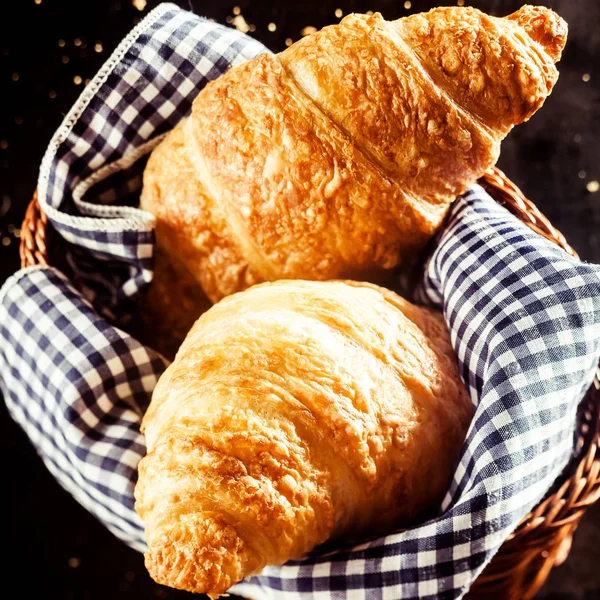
{"points": [[524, 319]]}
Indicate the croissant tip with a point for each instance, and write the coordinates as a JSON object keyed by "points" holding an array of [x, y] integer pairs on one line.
{"points": [[543, 26], [173, 567]]}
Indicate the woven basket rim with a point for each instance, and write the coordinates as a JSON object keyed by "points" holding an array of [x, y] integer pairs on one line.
{"points": [[546, 531]]}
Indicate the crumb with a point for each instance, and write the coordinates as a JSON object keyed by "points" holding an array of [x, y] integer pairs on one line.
{"points": [[308, 30], [593, 186]]}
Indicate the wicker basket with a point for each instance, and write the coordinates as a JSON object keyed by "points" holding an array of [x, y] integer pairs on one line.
{"points": [[543, 538]]}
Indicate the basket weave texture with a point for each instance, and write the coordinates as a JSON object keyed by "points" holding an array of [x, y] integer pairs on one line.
{"points": [[543, 538]]}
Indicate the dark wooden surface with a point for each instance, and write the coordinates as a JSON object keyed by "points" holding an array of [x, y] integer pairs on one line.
{"points": [[48, 48]]}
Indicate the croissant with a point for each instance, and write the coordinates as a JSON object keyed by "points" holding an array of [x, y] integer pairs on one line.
{"points": [[296, 412], [339, 157]]}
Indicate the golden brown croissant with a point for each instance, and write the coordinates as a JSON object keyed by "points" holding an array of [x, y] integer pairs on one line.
{"points": [[340, 156], [294, 413]]}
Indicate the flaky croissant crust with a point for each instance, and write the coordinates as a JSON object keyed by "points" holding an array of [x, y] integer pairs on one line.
{"points": [[294, 413], [339, 157]]}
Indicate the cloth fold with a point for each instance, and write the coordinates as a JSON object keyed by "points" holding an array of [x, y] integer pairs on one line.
{"points": [[524, 319], [91, 173]]}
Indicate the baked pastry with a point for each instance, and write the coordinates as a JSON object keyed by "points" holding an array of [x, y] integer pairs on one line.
{"points": [[339, 157], [296, 412], [168, 310]]}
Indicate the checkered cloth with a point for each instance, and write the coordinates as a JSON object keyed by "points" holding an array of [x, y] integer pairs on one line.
{"points": [[524, 320]]}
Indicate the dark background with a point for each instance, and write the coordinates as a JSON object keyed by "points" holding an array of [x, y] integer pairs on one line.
{"points": [[49, 48]]}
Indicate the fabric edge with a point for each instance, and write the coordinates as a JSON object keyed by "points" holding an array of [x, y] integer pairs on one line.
{"points": [[81, 104]]}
